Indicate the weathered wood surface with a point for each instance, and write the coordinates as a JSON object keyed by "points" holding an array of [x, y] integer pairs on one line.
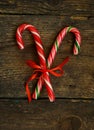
{"points": [[49, 17], [54, 7], [79, 72], [41, 114]]}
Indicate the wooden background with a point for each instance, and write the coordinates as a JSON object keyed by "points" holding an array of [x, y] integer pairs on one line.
{"points": [[74, 105]]}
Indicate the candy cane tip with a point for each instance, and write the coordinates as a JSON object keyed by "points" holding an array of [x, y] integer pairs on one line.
{"points": [[75, 53], [51, 100], [21, 48]]}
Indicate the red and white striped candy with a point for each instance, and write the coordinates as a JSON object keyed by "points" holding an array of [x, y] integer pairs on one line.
{"points": [[58, 42], [45, 78], [41, 55]]}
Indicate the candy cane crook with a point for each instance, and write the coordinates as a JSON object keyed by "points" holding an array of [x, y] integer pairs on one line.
{"points": [[37, 40], [58, 42], [44, 69]]}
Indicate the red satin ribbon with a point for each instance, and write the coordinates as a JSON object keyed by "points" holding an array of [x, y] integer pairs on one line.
{"points": [[39, 72]]}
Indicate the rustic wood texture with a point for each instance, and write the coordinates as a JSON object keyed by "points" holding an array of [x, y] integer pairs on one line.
{"points": [[79, 72], [41, 114], [53, 7], [74, 106]]}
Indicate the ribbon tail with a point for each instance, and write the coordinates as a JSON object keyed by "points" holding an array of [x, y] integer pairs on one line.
{"points": [[28, 93], [27, 87], [64, 62]]}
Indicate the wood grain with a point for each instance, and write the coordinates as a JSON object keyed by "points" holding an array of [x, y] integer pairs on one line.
{"points": [[41, 114], [49, 27], [79, 72], [74, 105], [56, 7]]}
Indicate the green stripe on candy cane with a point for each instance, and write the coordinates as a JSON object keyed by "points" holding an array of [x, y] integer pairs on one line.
{"points": [[37, 93], [76, 42], [56, 45], [69, 28], [77, 45]]}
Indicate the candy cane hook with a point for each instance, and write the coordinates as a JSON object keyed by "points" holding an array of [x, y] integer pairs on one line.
{"points": [[59, 40], [37, 40]]}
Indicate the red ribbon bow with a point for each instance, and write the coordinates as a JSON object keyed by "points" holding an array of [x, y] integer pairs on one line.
{"points": [[40, 72]]}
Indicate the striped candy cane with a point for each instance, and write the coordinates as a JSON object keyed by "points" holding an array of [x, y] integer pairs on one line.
{"points": [[45, 70], [58, 42], [45, 78]]}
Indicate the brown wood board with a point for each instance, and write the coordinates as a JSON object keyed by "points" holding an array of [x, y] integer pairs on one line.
{"points": [[41, 114], [73, 108], [78, 79], [56, 7]]}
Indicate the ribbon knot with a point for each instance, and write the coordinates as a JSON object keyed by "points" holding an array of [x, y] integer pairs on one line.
{"points": [[56, 71]]}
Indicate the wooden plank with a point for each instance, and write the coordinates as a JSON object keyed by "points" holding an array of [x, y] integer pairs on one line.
{"points": [[78, 79], [56, 7], [48, 26], [41, 114]]}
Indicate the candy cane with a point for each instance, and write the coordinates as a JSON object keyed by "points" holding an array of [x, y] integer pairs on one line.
{"points": [[37, 40], [42, 59], [58, 42], [45, 70]]}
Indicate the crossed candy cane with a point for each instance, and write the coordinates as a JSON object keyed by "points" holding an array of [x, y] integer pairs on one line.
{"points": [[44, 68]]}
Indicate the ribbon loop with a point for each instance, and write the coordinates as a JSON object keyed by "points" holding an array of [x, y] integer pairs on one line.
{"points": [[53, 71], [59, 68], [32, 64]]}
